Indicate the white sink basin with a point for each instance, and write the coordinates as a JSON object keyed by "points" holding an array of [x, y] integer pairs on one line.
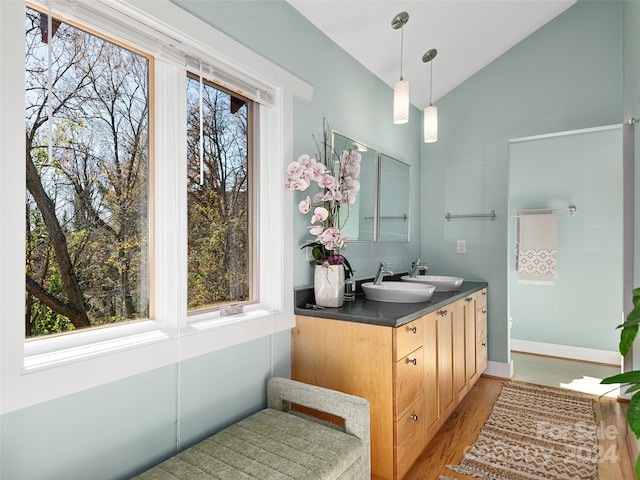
{"points": [[442, 283], [398, 292]]}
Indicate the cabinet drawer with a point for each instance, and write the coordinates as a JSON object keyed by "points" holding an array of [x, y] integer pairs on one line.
{"points": [[481, 298], [481, 322], [409, 438], [481, 355], [406, 339], [481, 325], [409, 381]]}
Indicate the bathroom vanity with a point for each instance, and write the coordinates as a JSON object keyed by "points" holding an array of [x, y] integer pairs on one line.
{"points": [[413, 362]]}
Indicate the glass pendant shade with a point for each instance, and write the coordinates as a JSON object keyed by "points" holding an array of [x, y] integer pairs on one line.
{"points": [[401, 102], [430, 124]]}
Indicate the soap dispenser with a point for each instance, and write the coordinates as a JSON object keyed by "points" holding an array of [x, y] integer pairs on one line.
{"points": [[349, 287]]}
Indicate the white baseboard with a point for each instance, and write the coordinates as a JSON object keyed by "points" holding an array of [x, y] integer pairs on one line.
{"points": [[499, 369], [566, 351]]}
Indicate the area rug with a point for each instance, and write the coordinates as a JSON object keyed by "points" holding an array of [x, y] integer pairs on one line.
{"points": [[535, 432]]}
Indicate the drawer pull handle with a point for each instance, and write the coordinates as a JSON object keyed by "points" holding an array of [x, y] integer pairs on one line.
{"points": [[414, 417], [443, 313], [469, 299], [412, 361], [484, 344], [413, 329], [484, 310], [484, 292]]}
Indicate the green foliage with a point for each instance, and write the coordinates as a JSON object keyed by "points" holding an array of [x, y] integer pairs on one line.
{"points": [[46, 321], [218, 204], [94, 178], [630, 327], [630, 379], [320, 254]]}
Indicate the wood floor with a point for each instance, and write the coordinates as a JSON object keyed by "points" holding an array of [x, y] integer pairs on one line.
{"points": [[464, 425]]}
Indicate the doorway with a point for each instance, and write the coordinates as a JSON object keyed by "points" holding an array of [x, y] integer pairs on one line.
{"points": [[572, 311]]}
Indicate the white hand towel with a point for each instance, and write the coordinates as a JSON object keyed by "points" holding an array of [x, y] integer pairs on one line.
{"points": [[536, 247]]}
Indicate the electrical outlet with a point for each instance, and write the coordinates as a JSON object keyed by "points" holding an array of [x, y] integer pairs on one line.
{"points": [[309, 254], [461, 246]]}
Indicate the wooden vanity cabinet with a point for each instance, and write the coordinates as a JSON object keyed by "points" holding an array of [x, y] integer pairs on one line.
{"points": [[460, 336], [481, 331], [408, 383], [413, 376], [471, 339], [446, 388]]}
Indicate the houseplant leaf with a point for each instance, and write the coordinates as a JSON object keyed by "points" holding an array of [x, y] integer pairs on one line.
{"points": [[632, 377], [636, 295], [627, 336], [633, 415], [633, 318]]}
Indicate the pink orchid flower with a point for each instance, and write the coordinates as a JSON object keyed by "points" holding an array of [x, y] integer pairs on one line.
{"points": [[320, 214], [304, 206]]}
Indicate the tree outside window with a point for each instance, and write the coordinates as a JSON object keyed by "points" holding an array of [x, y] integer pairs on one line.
{"points": [[218, 199], [87, 165]]}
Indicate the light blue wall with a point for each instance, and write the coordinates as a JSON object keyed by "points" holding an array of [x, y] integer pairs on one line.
{"points": [[565, 76], [631, 108], [121, 428], [584, 305], [355, 103]]}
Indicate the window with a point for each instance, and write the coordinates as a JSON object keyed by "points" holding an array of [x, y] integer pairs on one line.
{"points": [[219, 204], [87, 171], [49, 366]]}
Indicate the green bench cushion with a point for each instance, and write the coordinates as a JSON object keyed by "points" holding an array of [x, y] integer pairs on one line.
{"points": [[269, 445]]}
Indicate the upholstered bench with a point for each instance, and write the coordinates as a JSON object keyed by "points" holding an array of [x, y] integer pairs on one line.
{"points": [[278, 443]]}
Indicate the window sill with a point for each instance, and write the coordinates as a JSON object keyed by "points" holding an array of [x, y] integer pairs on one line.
{"points": [[60, 366], [55, 351]]}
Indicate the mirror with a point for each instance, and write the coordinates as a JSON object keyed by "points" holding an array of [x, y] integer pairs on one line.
{"points": [[381, 211], [361, 224], [393, 208]]}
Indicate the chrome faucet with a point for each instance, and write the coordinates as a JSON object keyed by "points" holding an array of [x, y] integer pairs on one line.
{"points": [[417, 267], [382, 272]]}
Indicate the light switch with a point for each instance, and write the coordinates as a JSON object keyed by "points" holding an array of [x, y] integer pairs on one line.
{"points": [[461, 246]]}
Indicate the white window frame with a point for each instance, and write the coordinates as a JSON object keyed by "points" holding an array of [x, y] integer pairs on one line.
{"points": [[39, 370]]}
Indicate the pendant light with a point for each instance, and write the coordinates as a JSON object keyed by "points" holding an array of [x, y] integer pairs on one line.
{"points": [[430, 112], [401, 87]]}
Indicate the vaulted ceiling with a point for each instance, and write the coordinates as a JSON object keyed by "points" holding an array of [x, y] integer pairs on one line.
{"points": [[468, 35]]}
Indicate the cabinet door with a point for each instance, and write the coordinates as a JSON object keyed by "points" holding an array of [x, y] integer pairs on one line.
{"points": [[481, 332], [471, 340], [445, 362], [458, 320], [431, 396]]}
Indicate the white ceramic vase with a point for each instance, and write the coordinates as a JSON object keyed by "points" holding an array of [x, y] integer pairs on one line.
{"points": [[328, 285]]}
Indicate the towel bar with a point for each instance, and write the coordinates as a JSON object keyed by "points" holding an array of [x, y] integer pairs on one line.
{"points": [[491, 215], [389, 217], [572, 209]]}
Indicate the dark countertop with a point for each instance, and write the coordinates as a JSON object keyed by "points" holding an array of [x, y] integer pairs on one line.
{"points": [[385, 314]]}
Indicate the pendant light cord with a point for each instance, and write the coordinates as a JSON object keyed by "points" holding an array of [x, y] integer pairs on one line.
{"points": [[401, 49], [430, 82]]}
